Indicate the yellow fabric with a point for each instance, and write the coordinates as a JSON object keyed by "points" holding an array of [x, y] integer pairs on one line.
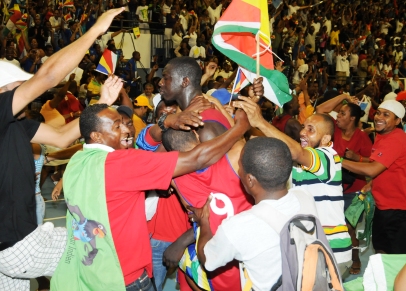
{"points": [[139, 125], [316, 163], [52, 116], [334, 37], [248, 282], [94, 87], [304, 111]]}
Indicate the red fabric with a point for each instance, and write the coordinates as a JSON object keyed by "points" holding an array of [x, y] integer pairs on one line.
{"points": [[170, 220], [360, 144], [128, 173], [69, 104], [216, 116], [280, 122], [219, 180], [389, 187], [149, 139]]}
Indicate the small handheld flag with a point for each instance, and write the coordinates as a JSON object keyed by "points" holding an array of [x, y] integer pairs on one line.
{"points": [[107, 64], [136, 31], [67, 17]]}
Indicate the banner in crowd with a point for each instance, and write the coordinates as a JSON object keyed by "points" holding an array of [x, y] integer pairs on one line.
{"points": [[236, 35], [108, 62]]}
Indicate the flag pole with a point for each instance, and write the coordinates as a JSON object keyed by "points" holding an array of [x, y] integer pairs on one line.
{"points": [[258, 60], [235, 84]]}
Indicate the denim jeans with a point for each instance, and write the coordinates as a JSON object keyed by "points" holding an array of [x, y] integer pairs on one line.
{"points": [[40, 205], [143, 283], [159, 269]]}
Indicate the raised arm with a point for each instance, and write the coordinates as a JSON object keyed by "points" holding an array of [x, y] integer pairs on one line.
{"points": [[253, 111], [207, 153], [60, 64]]}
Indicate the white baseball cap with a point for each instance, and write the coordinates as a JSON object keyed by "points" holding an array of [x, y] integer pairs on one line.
{"points": [[10, 73], [394, 106]]}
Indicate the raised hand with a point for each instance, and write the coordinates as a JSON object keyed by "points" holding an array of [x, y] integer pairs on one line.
{"points": [[104, 21], [252, 110], [183, 120], [110, 90], [199, 214]]}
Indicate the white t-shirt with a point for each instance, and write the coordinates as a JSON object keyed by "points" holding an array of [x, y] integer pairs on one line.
{"points": [[342, 64], [316, 26], [292, 9], [327, 24], [384, 27], [192, 39], [13, 61], [55, 22], [142, 13], [301, 70], [247, 238], [197, 52], [102, 42], [214, 14]]}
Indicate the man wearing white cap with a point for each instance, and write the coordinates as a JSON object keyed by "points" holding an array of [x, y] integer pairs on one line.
{"points": [[387, 167], [27, 250]]}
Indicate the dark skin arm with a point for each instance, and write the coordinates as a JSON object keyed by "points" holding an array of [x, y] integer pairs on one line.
{"points": [[201, 216], [61, 93], [207, 153]]}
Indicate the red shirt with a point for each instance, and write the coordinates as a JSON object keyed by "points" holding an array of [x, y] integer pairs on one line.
{"points": [[229, 198], [216, 116], [389, 187], [170, 220], [69, 104], [280, 122], [360, 144], [125, 196]]}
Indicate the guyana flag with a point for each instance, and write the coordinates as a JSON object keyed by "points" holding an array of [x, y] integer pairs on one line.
{"points": [[236, 35]]}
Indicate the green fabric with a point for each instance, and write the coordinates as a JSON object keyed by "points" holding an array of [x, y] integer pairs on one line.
{"points": [[354, 285], [354, 211], [84, 188], [392, 265]]}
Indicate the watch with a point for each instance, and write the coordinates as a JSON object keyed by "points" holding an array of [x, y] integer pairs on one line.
{"points": [[161, 121]]}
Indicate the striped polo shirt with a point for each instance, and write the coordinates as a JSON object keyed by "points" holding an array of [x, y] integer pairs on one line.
{"points": [[323, 180]]}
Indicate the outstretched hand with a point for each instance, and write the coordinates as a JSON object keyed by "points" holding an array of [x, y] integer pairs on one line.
{"points": [[110, 90], [183, 120], [57, 190], [104, 21], [252, 110], [200, 215]]}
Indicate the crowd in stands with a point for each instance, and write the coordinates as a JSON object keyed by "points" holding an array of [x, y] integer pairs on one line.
{"points": [[343, 132]]}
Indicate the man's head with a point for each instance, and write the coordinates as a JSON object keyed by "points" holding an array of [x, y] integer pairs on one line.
{"points": [[141, 106], [317, 131], [9, 53], [57, 13], [49, 50], [136, 56], [388, 116], [102, 124], [126, 113], [148, 89], [179, 76], [179, 140], [265, 162]]}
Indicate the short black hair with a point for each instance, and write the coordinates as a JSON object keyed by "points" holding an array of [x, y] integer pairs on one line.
{"points": [[187, 67], [178, 140], [89, 121], [328, 123], [34, 115], [355, 111], [269, 160]]}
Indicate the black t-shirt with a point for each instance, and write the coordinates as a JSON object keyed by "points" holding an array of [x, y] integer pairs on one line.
{"points": [[17, 173]]}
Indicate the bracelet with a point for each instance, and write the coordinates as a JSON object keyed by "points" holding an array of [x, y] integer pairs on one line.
{"points": [[360, 158]]}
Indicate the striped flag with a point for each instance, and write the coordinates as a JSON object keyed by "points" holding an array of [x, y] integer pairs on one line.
{"points": [[107, 64], [236, 35], [240, 81], [11, 22], [21, 38], [68, 17], [68, 3]]}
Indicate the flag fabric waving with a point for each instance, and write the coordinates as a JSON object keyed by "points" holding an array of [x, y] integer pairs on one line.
{"points": [[68, 17], [107, 64], [236, 34], [68, 3], [240, 81]]}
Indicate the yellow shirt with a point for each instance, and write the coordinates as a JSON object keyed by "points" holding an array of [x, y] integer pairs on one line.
{"points": [[139, 125], [334, 37]]}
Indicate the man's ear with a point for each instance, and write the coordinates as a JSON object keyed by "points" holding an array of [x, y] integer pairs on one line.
{"points": [[96, 137], [252, 181], [185, 82], [325, 140], [398, 120]]}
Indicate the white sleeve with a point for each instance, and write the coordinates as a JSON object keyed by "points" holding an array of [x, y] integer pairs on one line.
{"points": [[138, 11], [219, 250]]}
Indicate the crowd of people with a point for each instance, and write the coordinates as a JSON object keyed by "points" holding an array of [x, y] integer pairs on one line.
{"points": [[169, 176]]}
